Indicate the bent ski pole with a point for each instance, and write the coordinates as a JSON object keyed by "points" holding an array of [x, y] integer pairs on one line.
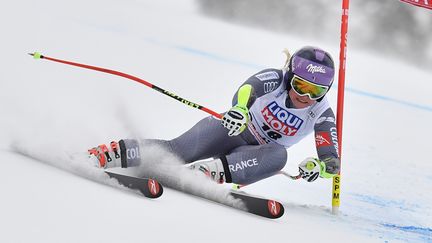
{"points": [[37, 55], [288, 175], [292, 177]]}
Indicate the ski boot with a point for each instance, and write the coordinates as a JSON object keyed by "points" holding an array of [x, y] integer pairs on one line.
{"points": [[216, 170], [123, 154]]}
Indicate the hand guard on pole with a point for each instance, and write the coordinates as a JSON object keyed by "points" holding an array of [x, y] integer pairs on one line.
{"points": [[310, 169], [236, 120]]}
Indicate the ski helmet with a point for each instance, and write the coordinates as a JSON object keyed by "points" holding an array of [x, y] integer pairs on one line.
{"points": [[313, 65]]}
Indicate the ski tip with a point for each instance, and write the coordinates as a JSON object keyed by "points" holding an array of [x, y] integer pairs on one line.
{"points": [[155, 189], [36, 55], [276, 209]]}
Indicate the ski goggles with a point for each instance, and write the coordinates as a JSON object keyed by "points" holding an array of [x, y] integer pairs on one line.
{"points": [[303, 87]]}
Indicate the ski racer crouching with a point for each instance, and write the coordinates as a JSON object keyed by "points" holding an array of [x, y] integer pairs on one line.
{"points": [[273, 110]]}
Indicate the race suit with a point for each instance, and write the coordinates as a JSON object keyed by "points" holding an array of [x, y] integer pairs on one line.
{"points": [[261, 150]]}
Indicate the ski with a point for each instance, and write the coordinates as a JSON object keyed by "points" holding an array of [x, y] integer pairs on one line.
{"points": [[260, 206], [148, 187], [253, 204]]}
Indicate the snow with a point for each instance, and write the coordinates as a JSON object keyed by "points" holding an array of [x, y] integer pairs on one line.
{"points": [[51, 110]]}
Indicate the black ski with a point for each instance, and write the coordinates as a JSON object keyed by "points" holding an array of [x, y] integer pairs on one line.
{"points": [[148, 187], [260, 206], [255, 205]]}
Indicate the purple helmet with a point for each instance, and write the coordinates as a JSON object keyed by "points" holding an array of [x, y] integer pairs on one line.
{"points": [[313, 65]]}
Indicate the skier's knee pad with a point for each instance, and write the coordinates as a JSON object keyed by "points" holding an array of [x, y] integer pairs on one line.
{"points": [[130, 153]]}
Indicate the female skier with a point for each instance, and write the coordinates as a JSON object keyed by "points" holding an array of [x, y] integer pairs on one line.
{"points": [[273, 110]]}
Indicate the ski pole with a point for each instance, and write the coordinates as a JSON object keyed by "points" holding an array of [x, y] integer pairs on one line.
{"points": [[292, 177], [37, 55]]}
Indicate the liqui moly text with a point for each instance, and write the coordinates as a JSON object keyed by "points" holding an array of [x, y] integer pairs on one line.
{"points": [[280, 120]]}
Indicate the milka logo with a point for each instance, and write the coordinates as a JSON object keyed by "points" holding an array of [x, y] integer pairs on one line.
{"points": [[315, 69]]}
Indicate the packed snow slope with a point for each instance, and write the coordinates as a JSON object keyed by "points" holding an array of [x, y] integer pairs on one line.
{"points": [[50, 111]]}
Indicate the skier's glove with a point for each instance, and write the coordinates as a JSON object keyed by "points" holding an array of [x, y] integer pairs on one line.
{"points": [[235, 120], [312, 168]]}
